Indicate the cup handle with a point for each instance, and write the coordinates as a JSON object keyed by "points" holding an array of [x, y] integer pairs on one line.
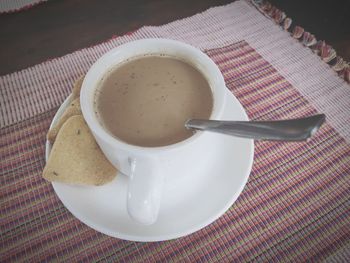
{"points": [[144, 190]]}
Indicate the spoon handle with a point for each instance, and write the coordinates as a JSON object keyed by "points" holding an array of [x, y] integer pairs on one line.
{"points": [[282, 130]]}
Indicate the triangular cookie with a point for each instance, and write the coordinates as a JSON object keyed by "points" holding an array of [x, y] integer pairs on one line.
{"points": [[76, 158], [77, 87], [72, 110]]}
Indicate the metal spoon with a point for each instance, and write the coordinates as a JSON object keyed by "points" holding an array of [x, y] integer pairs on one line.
{"points": [[282, 130]]}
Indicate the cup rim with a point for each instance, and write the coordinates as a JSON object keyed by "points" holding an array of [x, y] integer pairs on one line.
{"points": [[102, 134]]}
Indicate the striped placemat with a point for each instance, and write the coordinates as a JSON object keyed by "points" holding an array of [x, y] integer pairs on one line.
{"points": [[296, 204], [10, 6]]}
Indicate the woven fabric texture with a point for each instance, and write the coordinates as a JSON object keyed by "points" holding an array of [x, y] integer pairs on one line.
{"points": [[8, 6]]}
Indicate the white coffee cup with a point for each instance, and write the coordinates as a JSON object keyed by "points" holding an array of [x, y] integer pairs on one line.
{"points": [[149, 167]]}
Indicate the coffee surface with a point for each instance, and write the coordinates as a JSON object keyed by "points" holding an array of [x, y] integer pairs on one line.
{"points": [[146, 101]]}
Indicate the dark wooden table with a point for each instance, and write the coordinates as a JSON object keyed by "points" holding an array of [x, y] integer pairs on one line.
{"points": [[58, 27]]}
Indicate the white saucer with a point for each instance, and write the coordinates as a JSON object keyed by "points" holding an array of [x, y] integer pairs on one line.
{"points": [[185, 208]]}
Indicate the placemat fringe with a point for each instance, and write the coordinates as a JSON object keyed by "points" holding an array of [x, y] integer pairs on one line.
{"points": [[320, 47]]}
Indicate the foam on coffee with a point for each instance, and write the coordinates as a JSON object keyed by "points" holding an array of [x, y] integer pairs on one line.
{"points": [[146, 101]]}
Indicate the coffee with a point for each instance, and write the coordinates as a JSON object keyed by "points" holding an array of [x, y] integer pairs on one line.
{"points": [[146, 101]]}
